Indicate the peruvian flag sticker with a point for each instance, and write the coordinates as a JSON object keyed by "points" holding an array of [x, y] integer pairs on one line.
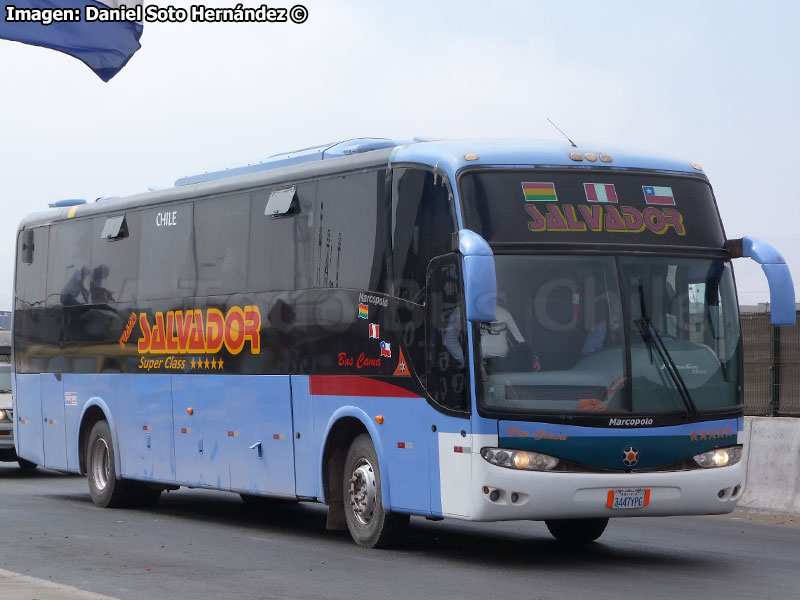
{"points": [[600, 192], [374, 331]]}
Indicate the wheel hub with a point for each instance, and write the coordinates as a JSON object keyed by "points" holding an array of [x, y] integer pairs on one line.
{"points": [[101, 464], [363, 491]]}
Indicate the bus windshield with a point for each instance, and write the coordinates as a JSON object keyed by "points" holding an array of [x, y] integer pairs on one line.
{"points": [[567, 340]]}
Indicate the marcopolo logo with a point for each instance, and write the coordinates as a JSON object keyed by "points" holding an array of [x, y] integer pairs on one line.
{"points": [[629, 422], [372, 299]]}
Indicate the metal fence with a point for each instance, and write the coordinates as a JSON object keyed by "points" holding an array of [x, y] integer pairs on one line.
{"points": [[771, 367]]}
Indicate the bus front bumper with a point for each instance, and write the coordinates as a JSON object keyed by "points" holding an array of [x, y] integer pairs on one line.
{"points": [[548, 495]]}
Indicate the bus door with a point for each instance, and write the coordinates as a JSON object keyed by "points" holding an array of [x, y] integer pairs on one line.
{"points": [[448, 384], [259, 434], [53, 430]]}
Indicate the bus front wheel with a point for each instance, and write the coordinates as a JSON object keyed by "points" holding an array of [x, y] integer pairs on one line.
{"points": [[369, 524], [576, 531]]}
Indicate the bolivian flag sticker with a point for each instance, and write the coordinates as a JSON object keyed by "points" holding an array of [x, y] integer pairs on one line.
{"points": [[539, 192]]}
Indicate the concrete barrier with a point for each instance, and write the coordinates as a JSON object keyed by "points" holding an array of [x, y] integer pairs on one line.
{"points": [[772, 456]]}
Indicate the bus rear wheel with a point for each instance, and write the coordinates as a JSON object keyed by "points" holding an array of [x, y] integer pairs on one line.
{"points": [[369, 524], [576, 531], [106, 490]]}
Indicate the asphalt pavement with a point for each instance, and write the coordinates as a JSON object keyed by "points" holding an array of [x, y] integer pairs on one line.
{"points": [[201, 544]]}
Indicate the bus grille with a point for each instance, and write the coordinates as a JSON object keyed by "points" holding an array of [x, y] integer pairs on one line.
{"points": [[552, 393]]}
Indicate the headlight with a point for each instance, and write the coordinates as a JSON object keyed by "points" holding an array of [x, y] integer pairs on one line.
{"points": [[519, 459], [722, 457], [3, 416]]}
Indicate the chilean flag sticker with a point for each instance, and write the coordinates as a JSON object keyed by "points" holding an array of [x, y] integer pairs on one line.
{"points": [[386, 349], [659, 195]]}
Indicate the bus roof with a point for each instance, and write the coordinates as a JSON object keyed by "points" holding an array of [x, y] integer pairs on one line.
{"points": [[450, 156], [454, 155]]}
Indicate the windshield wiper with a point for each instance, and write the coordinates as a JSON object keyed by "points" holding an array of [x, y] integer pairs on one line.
{"points": [[653, 339]]}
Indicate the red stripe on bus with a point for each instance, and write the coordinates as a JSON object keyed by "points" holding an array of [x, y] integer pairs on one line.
{"points": [[353, 385]]}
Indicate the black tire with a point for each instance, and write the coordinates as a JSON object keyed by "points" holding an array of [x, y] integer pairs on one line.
{"points": [[369, 524], [106, 490], [26, 464], [576, 531]]}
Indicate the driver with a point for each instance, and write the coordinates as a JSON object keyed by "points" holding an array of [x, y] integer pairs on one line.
{"points": [[503, 348]]}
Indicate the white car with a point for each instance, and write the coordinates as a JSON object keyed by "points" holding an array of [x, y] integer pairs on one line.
{"points": [[7, 451]]}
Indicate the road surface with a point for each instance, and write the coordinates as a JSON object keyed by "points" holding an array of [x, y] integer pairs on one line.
{"points": [[200, 544]]}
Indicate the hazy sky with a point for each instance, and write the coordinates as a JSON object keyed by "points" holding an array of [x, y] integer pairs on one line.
{"points": [[711, 82]]}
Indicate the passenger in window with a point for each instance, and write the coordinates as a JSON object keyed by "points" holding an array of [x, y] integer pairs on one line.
{"points": [[75, 288], [98, 293], [503, 348]]}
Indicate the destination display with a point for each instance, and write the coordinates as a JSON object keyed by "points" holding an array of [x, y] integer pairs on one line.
{"points": [[591, 207]]}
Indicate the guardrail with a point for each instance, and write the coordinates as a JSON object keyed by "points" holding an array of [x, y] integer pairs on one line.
{"points": [[771, 367]]}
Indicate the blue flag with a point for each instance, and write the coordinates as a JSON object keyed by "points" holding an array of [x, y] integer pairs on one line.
{"points": [[104, 46]]}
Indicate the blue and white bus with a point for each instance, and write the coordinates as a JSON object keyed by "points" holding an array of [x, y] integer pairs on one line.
{"points": [[482, 330]]}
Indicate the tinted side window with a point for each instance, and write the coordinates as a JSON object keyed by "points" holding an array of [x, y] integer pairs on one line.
{"points": [[31, 277], [283, 247], [167, 261], [69, 261], [422, 227], [221, 230], [351, 243], [115, 261]]}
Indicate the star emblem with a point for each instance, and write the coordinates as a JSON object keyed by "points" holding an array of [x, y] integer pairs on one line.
{"points": [[207, 364], [630, 456], [213, 363], [193, 363], [219, 362]]}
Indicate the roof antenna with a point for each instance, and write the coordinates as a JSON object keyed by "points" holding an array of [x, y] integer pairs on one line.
{"points": [[562, 133]]}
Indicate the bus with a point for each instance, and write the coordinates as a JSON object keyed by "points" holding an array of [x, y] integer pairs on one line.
{"points": [[484, 330]]}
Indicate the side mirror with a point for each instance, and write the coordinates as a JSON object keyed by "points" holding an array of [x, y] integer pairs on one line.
{"points": [[781, 287], [480, 282]]}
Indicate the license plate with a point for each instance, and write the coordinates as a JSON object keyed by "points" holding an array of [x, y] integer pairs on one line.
{"points": [[628, 498]]}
